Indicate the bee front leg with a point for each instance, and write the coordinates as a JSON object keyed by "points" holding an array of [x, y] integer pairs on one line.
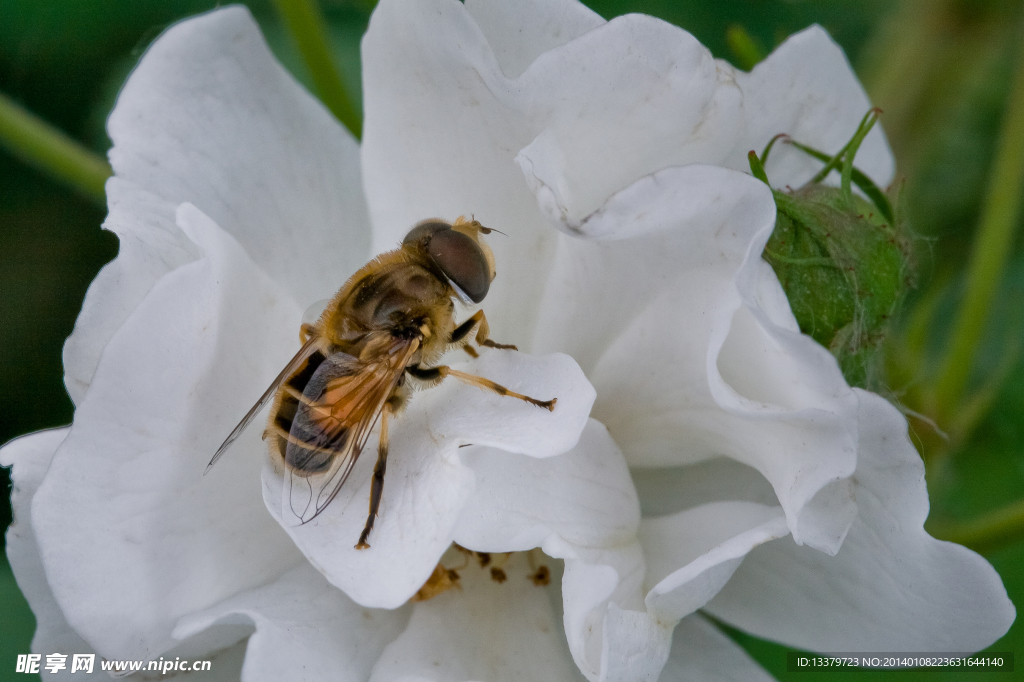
{"points": [[482, 334], [439, 373], [377, 483]]}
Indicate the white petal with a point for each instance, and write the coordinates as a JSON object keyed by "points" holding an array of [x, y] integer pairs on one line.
{"points": [[661, 392], [891, 587], [150, 246], [638, 95], [482, 631], [793, 404], [441, 135], [210, 117], [306, 630], [776, 402], [667, 490], [692, 554], [701, 652], [583, 497], [636, 646], [427, 485], [519, 32], [126, 488], [610, 633], [225, 663], [698, 221], [581, 507], [30, 458], [621, 102]]}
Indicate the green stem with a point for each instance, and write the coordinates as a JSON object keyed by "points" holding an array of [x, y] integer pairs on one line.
{"points": [[306, 23], [999, 215], [995, 529], [48, 149]]}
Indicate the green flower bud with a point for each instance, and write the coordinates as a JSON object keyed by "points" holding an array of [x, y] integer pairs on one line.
{"points": [[843, 261]]}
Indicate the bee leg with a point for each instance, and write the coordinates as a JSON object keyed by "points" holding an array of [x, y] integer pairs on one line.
{"points": [[306, 331], [482, 334], [442, 371], [462, 331], [377, 483]]}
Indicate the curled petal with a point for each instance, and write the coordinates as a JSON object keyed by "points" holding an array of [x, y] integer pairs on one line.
{"points": [[583, 497], [209, 117], [909, 591], [785, 396], [669, 383], [126, 487], [667, 490], [427, 485], [700, 651], [692, 554], [635, 647]]}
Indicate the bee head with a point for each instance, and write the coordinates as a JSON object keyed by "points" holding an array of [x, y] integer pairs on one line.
{"points": [[459, 252]]}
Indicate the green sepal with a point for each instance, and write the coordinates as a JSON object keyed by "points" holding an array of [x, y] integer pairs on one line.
{"points": [[844, 272], [863, 182], [756, 167]]}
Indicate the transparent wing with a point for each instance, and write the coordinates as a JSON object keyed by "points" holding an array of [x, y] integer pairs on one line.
{"points": [[308, 348], [334, 418]]}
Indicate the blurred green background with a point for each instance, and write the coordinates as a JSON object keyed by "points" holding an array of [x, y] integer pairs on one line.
{"points": [[940, 69]]}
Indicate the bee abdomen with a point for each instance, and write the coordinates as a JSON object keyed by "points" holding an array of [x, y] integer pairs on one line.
{"points": [[309, 434], [302, 376], [298, 447], [309, 450], [304, 447], [286, 413]]}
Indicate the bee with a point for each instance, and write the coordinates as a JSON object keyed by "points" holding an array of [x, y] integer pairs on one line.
{"points": [[392, 320]]}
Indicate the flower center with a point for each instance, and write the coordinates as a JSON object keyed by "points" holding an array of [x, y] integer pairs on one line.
{"points": [[457, 560]]}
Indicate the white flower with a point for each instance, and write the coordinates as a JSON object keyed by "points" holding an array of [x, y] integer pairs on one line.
{"points": [[775, 497]]}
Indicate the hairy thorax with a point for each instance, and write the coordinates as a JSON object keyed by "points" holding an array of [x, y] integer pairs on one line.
{"points": [[397, 297]]}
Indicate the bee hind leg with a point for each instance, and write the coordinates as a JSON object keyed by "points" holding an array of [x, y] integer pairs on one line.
{"points": [[442, 371], [482, 334], [377, 483]]}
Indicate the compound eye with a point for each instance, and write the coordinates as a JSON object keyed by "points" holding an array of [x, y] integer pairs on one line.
{"points": [[425, 229], [462, 261]]}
